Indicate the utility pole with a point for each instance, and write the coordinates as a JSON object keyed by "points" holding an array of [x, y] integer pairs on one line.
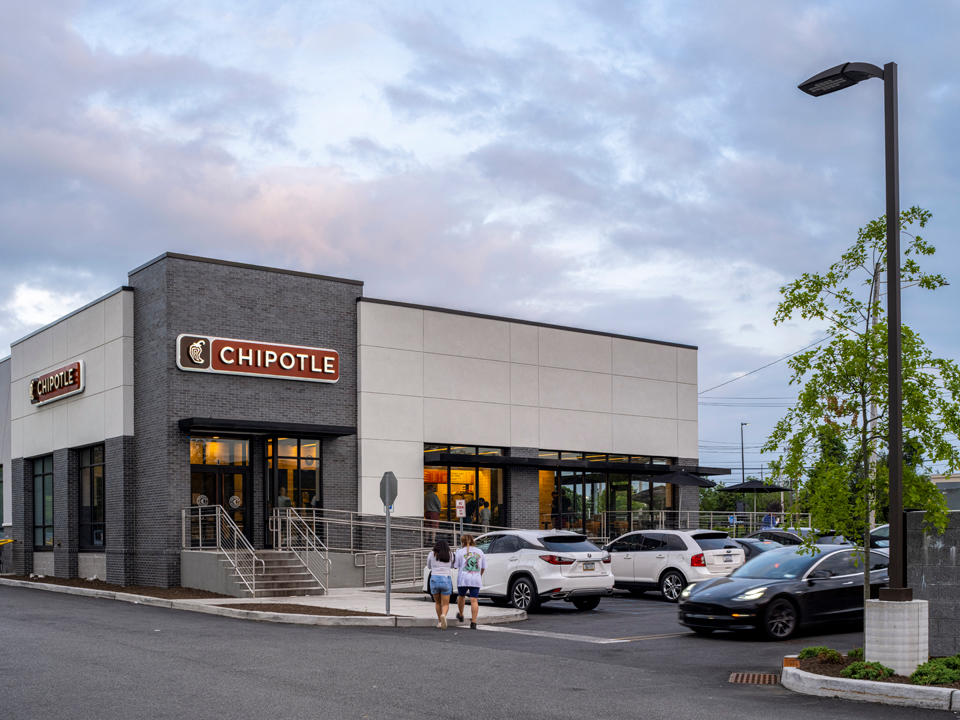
{"points": [[743, 473]]}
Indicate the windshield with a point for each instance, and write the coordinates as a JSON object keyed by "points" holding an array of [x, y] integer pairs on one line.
{"points": [[781, 564], [568, 543], [715, 541]]}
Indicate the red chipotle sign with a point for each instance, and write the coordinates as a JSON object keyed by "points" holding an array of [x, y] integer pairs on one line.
{"points": [[57, 385], [204, 353]]}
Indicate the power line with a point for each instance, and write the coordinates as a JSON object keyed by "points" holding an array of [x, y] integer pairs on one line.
{"points": [[764, 367]]}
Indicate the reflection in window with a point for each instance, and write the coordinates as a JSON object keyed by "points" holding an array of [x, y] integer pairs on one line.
{"points": [[219, 451], [295, 472], [43, 503], [92, 500]]}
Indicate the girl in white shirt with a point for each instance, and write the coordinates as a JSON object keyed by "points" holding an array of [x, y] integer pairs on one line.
{"points": [[440, 566]]}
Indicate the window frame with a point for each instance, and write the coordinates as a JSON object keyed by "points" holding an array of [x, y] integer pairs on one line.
{"points": [[89, 466], [43, 475]]}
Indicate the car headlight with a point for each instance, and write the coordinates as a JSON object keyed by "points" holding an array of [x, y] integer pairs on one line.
{"points": [[752, 594], [686, 591]]}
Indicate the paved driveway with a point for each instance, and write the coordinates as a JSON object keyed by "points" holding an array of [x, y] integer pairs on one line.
{"points": [[72, 657]]}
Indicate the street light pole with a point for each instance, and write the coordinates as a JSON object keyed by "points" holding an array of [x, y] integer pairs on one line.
{"points": [[898, 589], [839, 78]]}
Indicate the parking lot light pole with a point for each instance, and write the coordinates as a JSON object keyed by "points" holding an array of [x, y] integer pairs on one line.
{"points": [[829, 81]]}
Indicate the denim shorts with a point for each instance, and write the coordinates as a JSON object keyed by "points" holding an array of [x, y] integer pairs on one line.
{"points": [[440, 585], [471, 592]]}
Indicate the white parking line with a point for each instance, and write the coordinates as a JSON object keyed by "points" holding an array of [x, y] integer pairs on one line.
{"points": [[577, 638], [553, 635]]}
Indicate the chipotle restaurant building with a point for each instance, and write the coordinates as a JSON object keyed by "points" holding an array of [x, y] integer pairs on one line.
{"points": [[206, 382]]}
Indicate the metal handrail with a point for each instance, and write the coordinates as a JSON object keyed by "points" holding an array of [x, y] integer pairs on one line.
{"points": [[349, 531], [401, 569], [226, 538], [294, 534]]}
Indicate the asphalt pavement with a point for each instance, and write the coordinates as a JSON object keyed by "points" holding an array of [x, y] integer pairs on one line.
{"points": [[72, 657]]}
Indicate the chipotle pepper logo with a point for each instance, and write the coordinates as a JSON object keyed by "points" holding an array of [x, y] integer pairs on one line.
{"points": [[204, 353]]}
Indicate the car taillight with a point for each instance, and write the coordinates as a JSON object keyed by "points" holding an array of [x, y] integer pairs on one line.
{"points": [[557, 560], [608, 560], [698, 561]]}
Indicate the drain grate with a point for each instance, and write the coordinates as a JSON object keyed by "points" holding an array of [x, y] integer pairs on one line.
{"points": [[753, 678]]}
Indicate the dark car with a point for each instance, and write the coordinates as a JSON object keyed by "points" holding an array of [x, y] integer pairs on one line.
{"points": [[781, 590], [796, 536], [754, 546], [880, 537]]}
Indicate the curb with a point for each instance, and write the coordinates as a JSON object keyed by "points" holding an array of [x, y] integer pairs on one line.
{"points": [[397, 621], [931, 698]]}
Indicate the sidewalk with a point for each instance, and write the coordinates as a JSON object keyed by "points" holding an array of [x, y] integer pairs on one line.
{"points": [[406, 609]]}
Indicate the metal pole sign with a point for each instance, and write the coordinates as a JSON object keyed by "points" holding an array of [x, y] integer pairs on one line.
{"points": [[388, 493], [461, 512]]}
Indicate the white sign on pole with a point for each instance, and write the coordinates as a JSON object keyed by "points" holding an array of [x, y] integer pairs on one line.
{"points": [[461, 508]]}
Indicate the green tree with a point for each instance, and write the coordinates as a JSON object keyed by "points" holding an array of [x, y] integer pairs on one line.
{"points": [[832, 442]]}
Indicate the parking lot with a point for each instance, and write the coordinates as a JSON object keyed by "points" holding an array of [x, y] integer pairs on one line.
{"points": [[627, 659]]}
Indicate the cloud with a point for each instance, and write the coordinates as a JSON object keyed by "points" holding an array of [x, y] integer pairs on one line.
{"points": [[648, 168]]}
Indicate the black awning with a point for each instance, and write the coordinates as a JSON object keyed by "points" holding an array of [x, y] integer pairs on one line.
{"points": [[681, 477], [260, 427], [757, 486]]}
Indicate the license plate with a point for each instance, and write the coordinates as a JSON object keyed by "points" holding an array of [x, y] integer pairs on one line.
{"points": [[728, 558], [589, 566]]}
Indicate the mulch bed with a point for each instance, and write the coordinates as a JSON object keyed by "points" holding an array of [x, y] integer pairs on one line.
{"points": [[174, 593], [300, 609], [813, 665]]}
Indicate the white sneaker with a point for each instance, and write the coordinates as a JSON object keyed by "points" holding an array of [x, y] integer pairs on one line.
{"points": [[443, 623], [439, 626]]}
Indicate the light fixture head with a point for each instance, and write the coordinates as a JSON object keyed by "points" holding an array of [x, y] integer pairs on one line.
{"points": [[839, 78]]}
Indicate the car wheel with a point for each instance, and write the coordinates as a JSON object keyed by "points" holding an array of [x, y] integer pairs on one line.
{"points": [[780, 619], [671, 585], [589, 603], [702, 631], [523, 594]]}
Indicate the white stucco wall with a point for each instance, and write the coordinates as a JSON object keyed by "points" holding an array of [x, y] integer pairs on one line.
{"points": [[100, 334], [433, 376]]}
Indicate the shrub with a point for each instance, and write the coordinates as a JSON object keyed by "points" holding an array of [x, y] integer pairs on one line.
{"points": [[938, 671], [866, 671], [821, 653], [855, 654]]}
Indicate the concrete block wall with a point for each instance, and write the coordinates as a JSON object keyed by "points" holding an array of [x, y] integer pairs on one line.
{"points": [[933, 572], [439, 376]]}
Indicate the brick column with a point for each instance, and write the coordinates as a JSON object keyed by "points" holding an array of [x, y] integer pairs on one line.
{"points": [[120, 508], [21, 487], [522, 493], [256, 513], [66, 520]]}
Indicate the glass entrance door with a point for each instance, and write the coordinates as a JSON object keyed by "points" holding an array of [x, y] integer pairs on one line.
{"points": [[220, 487]]}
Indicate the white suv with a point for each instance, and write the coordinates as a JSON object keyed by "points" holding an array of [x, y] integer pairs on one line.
{"points": [[529, 567], [669, 560]]}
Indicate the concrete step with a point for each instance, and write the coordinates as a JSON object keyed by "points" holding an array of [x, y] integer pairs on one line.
{"points": [[267, 593]]}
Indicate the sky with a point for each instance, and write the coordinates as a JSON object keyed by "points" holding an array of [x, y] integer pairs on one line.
{"points": [[644, 168]]}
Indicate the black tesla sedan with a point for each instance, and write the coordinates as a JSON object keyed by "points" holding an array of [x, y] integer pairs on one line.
{"points": [[782, 589]]}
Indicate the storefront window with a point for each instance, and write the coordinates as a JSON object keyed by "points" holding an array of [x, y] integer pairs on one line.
{"points": [[293, 465], [548, 499], [43, 503], [219, 451], [481, 489], [92, 499], [490, 497]]}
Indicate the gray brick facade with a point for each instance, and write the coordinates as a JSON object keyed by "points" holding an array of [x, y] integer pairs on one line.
{"points": [[933, 572], [119, 471], [66, 500], [522, 492], [21, 488], [175, 295]]}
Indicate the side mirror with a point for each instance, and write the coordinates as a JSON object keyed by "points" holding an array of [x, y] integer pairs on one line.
{"points": [[818, 575]]}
